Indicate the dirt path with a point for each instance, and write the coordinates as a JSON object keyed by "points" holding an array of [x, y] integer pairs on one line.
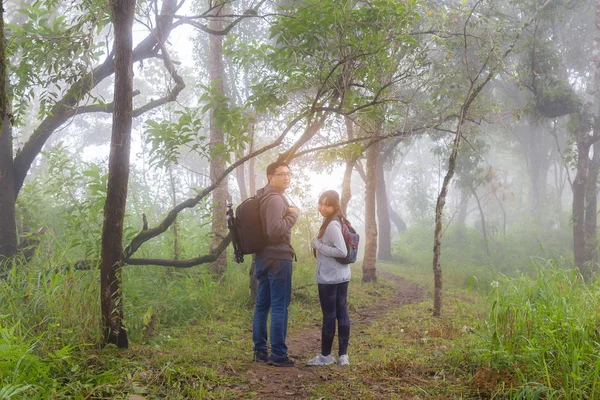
{"points": [[297, 382]]}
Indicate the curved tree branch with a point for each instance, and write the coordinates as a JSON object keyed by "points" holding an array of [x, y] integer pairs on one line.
{"points": [[250, 13], [148, 234], [184, 263]]}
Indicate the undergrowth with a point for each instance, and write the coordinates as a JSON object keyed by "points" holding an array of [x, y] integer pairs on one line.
{"points": [[531, 334]]}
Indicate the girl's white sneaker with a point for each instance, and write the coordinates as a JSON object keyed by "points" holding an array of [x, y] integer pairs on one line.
{"points": [[320, 359], [343, 360]]}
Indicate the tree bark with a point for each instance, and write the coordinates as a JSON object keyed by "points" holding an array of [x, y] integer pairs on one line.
{"points": [[252, 164], [591, 207], [8, 226], [370, 259], [361, 172], [503, 215], [350, 161], [579, 185], [383, 214], [241, 180], [483, 227], [398, 221], [118, 176], [176, 253], [217, 164], [461, 218], [252, 187], [538, 157], [591, 216]]}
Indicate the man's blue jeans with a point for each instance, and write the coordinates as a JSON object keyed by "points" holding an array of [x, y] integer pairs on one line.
{"points": [[274, 292]]}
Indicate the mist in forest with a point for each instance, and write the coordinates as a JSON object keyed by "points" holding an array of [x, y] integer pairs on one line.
{"points": [[462, 137]]}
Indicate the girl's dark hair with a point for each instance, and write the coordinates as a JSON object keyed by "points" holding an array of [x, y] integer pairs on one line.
{"points": [[331, 198]]}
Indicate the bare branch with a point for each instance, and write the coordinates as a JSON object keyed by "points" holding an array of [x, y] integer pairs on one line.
{"points": [[173, 93], [184, 263], [106, 108], [250, 13]]}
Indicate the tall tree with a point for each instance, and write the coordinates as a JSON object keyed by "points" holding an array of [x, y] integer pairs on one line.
{"points": [[555, 95], [8, 232], [174, 204], [476, 74], [591, 216], [217, 164], [370, 258], [111, 293], [350, 161], [383, 205], [54, 68]]}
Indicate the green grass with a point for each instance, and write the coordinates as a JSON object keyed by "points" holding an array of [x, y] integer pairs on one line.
{"points": [[543, 327], [531, 334]]}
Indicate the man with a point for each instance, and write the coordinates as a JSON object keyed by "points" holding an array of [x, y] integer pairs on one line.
{"points": [[273, 268]]}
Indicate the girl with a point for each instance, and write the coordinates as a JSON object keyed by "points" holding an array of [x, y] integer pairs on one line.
{"points": [[333, 279]]}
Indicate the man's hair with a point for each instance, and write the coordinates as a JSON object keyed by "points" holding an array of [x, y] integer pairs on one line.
{"points": [[273, 167]]}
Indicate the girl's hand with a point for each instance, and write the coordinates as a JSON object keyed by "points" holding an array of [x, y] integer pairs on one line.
{"points": [[315, 253]]}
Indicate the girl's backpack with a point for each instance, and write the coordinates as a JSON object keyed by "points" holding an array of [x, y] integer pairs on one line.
{"points": [[351, 238]]}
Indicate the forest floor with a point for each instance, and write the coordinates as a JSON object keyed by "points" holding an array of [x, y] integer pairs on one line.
{"points": [[398, 350], [301, 380]]}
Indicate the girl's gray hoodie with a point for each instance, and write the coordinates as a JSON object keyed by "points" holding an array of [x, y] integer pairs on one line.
{"points": [[331, 245]]}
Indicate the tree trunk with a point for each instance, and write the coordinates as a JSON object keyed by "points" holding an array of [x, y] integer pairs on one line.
{"points": [[347, 186], [483, 227], [591, 195], [503, 215], [591, 206], [579, 185], [439, 210], [383, 215], [370, 259], [398, 221], [350, 161], [241, 180], [118, 177], [461, 218], [252, 187], [217, 165], [361, 172], [537, 150], [8, 227], [251, 164], [176, 253]]}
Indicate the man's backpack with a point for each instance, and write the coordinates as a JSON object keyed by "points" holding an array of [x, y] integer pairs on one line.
{"points": [[246, 228], [351, 238]]}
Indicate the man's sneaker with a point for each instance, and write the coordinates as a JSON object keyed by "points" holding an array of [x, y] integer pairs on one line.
{"points": [[284, 361], [343, 360], [261, 356], [320, 359]]}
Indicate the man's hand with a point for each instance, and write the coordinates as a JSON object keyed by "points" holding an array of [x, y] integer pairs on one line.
{"points": [[294, 210]]}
